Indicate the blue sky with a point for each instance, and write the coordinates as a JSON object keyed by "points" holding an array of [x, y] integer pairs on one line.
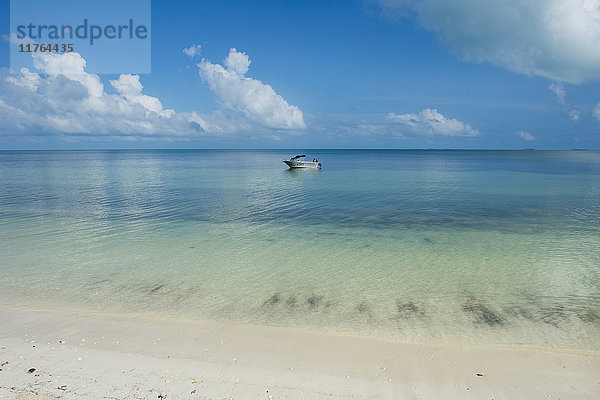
{"points": [[313, 74]]}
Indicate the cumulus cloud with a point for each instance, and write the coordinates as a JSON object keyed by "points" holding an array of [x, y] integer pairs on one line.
{"points": [[555, 39], [526, 136], [257, 101], [237, 61], [60, 97], [27, 79], [433, 123], [192, 51], [130, 88]]}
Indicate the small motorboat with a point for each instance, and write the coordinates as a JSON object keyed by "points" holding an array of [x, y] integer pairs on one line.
{"points": [[299, 162]]}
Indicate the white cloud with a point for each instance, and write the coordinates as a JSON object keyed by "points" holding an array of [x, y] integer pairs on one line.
{"points": [[574, 114], [433, 123], [70, 65], [596, 112], [555, 39], [130, 88], [526, 136], [26, 79], [64, 99], [237, 61], [252, 98], [559, 90], [192, 51], [13, 39], [60, 97]]}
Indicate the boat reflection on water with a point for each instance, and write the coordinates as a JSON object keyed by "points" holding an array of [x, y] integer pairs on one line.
{"points": [[302, 172]]}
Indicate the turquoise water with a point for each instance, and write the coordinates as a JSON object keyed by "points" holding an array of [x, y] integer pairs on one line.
{"points": [[477, 246]]}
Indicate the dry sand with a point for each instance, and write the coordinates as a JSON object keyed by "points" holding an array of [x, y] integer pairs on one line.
{"points": [[84, 356]]}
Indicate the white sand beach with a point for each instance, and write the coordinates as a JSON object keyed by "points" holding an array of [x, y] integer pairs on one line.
{"points": [[49, 355]]}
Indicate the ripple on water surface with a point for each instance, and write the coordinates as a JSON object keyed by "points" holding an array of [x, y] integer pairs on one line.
{"points": [[493, 247]]}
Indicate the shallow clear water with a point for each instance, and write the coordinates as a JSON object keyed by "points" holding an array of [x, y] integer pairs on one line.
{"points": [[478, 246]]}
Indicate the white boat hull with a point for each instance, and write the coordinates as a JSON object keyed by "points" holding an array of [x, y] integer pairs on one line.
{"points": [[302, 164]]}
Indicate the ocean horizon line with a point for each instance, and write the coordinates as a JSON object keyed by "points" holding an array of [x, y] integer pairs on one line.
{"points": [[292, 149]]}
